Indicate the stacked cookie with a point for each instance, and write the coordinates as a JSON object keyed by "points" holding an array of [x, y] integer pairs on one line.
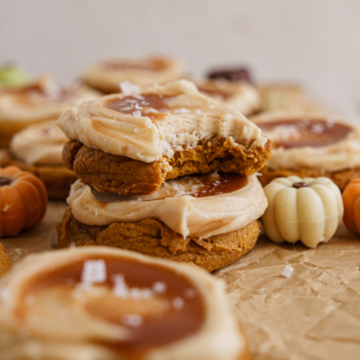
{"points": [[166, 172]]}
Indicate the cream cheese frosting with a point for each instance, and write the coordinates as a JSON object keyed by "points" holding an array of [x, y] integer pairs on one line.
{"points": [[108, 74], [43, 100], [39, 144], [242, 96], [174, 205], [334, 145], [52, 307], [139, 131]]}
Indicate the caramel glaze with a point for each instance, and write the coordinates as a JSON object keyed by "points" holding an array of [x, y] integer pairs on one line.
{"points": [[306, 132], [202, 185], [227, 183], [24, 94], [170, 326], [155, 65], [215, 93], [142, 103]]}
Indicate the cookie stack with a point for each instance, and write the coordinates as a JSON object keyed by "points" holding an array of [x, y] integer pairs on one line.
{"points": [[166, 172]]}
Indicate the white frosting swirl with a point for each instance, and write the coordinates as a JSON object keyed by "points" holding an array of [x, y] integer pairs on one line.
{"points": [[191, 117], [39, 144], [198, 217], [341, 155]]}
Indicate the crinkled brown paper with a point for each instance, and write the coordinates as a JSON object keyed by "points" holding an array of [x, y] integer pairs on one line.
{"points": [[314, 314]]}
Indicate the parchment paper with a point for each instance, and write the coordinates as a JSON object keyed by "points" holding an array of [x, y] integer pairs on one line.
{"points": [[314, 314]]}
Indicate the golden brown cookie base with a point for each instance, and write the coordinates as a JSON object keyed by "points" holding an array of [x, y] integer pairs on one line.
{"points": [[340, 178], [9, 128], [152, 237], [56, 178], [5, 262], [118, 174]]}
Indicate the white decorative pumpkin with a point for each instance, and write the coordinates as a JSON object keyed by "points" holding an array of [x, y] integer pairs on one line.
{"points": [[308, 210]]}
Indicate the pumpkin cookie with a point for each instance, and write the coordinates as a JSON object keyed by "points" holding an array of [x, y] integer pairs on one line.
{"points": [[38, 149], [106, 75], [38, 102], [207, 220], [5, 262], [242, 96], [282, 97], [131, 143], [308, 145], [154, 309]]}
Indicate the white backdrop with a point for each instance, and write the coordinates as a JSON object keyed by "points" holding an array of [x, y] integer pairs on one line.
{"points": [[316, 42]]}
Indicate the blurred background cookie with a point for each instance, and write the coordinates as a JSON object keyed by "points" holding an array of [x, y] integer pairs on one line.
{"points": [[310, 145], [38, 149], [106, 75], [41, 101]]}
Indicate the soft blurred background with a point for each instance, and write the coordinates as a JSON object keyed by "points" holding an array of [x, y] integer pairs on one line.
{"points": [[313, 42]]}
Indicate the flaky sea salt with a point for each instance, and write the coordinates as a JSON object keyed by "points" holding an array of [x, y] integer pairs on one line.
{"points": [[178, 303], [94, 272], [122, 290], [128, 88], [159, 287], [181, 111], [132, 320], [198, 112], [137, 114], [151, 111], [138, 97], [288, 270]]}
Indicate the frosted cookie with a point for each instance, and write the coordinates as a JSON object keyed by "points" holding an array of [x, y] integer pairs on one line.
{"points": [[38, 149], [131, 143], [242, 96], [208, 220], [5, 262], [106, 75], [310, 146], [39, 102], [101, 303], [282, 97]]}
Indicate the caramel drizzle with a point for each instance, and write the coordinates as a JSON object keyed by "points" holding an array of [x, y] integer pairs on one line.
{"points": [[305, 132]]}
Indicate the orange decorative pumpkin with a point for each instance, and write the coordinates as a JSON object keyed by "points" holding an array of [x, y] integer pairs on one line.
{"points": [[351, 199], [23, 200]]}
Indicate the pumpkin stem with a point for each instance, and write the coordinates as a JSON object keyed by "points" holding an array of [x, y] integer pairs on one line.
{"points": [[5, 181], [299, 185]]}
